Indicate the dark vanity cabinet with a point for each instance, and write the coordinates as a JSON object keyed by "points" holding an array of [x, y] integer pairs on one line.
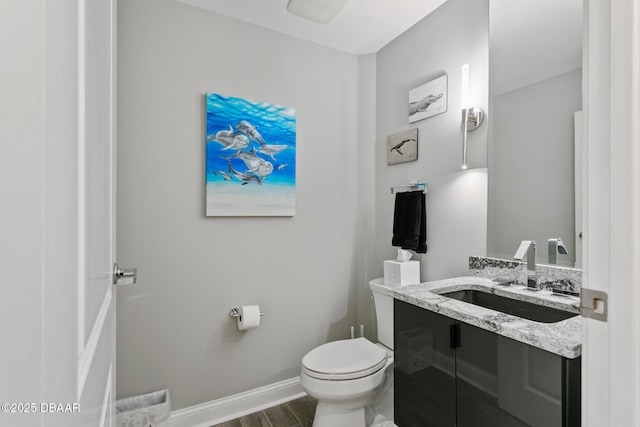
{"points": [[449, 373]]}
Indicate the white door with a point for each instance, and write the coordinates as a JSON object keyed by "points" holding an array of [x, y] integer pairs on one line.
{"points": [[96, 299], [611, 248], [56, 246]]}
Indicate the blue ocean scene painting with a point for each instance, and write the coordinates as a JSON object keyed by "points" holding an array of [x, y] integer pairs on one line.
{"points": [[251, 158]]}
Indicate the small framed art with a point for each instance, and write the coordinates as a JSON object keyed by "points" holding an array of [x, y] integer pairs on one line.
{"points": [[428, 100], [402, 147]]}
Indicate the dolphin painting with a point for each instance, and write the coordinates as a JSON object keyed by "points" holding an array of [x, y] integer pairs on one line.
{"points": [[398, 146], [224, 174], [224, 137], [246, 178], [240, 142], [282, 166], [271, 149], [250, 130], [254, 163], [422, 105]]}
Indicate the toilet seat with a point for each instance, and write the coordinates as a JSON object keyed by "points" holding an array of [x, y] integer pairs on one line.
{"points": [[344, 360]]}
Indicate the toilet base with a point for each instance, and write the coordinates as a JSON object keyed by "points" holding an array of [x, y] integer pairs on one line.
{"points": [[332, 415]]}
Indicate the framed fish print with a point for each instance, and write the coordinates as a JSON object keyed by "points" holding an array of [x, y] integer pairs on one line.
{"points": [[428, 100], [402, 147], [251, 158]]}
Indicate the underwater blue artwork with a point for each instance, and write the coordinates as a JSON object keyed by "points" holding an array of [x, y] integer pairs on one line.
{"points": [[251, 158]]}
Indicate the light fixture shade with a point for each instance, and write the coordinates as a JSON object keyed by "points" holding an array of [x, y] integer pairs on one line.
{"points": [[464, 90], [320, 11], [472, 117]]}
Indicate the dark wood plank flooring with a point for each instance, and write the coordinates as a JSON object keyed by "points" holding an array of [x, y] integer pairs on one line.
{"points": [[297, 413]]}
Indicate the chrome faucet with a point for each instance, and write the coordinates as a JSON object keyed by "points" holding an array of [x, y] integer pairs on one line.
{"points": [[528, 248], [556, 246]]}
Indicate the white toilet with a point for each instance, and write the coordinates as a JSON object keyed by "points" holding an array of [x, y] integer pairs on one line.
{"points": [[347, 376]]}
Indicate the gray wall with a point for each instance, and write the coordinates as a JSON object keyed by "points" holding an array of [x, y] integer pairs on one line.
{"points": [[531, 184], [454, 34], [173, 326], [309, 273]]}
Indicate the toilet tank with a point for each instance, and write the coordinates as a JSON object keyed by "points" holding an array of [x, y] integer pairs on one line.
{"points": [[384, 312]]}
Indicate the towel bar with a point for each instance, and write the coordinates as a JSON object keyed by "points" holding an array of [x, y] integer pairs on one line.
{"points": [[412, 186]]}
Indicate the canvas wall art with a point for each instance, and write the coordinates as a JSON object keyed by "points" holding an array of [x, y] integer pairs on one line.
{"points": [[251, 158], [428, 100], [402, 147]]}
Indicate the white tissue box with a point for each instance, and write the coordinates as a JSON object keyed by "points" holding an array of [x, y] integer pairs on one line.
{"points": [[398, 273]]}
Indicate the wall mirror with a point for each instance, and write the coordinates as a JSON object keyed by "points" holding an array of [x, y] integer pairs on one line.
{"points": [[535, 88]]}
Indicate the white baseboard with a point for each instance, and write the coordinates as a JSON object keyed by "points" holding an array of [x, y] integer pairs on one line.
{"points": [[232, 407]]}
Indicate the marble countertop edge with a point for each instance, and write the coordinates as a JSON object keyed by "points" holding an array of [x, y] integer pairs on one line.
{"points": [[563, 338]]}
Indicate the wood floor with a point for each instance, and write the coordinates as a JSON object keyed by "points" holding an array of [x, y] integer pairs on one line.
{"points": [[297, 413]]}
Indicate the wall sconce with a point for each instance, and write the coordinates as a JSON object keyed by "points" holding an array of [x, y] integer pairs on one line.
{"points": [[472, 117]]}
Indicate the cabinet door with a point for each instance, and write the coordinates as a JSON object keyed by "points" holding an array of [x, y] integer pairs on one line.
{"points": [[425, 394], [530, 383], [480, 380]]}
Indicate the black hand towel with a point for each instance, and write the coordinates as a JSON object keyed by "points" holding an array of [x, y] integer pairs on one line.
{"points": [[410, 221]]}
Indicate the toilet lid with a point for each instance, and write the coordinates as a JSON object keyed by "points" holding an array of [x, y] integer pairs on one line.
{"points": [[344, 360]]}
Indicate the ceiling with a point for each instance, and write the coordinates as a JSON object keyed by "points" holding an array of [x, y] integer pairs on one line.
{"points": [[533, 40], [365, 26]]}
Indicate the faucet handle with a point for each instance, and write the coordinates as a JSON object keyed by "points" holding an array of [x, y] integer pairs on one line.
{"points": [[523, 249], [556, 246], [528, 248]]}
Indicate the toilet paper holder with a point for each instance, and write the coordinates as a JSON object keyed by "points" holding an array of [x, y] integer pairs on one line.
{"points": [[234, 312]]}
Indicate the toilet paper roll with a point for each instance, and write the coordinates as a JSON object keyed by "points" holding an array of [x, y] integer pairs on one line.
{"points": [[249, 317]]}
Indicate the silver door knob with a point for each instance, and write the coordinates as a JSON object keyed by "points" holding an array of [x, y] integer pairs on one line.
{"points": [[124, 276]]}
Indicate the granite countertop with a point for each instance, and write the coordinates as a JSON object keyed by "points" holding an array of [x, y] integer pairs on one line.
{"points": [[563, 338]]}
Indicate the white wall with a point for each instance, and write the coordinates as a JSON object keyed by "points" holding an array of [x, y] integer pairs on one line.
{"points": [[454, 34], [173, 325]]}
